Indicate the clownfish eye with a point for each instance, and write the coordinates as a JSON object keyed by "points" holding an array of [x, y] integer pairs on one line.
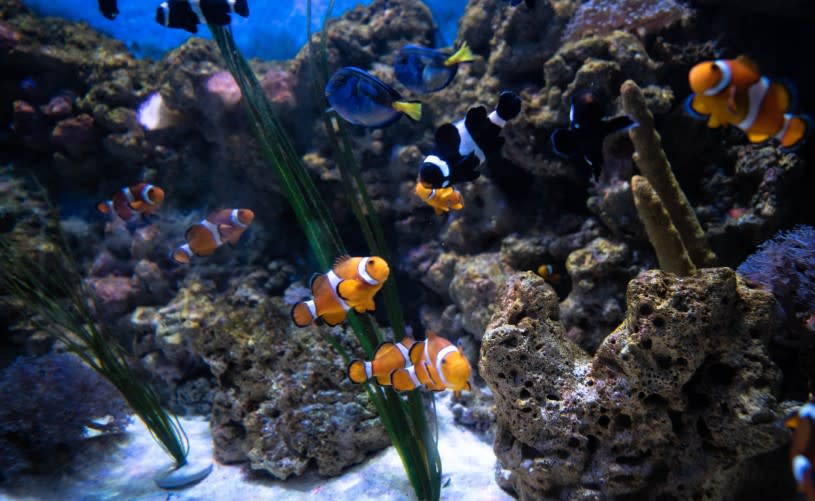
{"points": [[371, 263], [714, 67]]}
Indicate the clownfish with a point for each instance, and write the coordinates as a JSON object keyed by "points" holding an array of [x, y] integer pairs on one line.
{"points": [[588, 128], [733, 92], [437, 364], [109, 9], [802, 449], [548, 273], [362, 99], [461, 147], [388, 357], [188, 14], [441, 199], [143, 198], [351, 283], [424, 70], [220, 227]]}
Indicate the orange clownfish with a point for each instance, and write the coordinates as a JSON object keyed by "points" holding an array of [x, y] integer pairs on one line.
{"points": [[388, 357], [733, 92], [547, 272], [351, 283], [441, 199], [220, 227], [143, 197], [437, 364], [802, 449]]}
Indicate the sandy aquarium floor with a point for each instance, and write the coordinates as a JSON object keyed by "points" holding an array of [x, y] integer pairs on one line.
{"points": [[136, 460]]}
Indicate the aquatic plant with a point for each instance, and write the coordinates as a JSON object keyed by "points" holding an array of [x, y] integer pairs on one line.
{"points": [[64, 306], [47, 404], [655, 167], [404, 419], [785, 266]]}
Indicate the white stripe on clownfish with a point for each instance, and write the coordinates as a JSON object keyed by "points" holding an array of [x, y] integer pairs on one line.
{"points": [[186, 250], [441, 164], [128, 195], [334, 282], [213, 230], [785, 128], [807, 411], [756, 94], [466, 143], [234, 219], [368, 370], [145, 194], [312, 308], [195, 5], [363, 273], [727, 76], [405, 353], [166, 8], [440, 358], [800, 466], [494, 118], [412, 373]]}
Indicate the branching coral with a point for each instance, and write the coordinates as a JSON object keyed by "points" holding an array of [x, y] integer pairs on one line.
{"points": [[46, 405], [654, 165]]}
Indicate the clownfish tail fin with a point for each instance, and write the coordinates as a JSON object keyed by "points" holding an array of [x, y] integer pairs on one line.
{"points": [[356, 372], [462, 55], [796, 129], [413, 110], [302, 313]]}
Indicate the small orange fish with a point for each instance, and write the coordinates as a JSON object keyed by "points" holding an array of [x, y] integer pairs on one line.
{"points": [[441, 199], [547, 271], [437, 364], [802, 449], [388, 357], [351, 283], [220, 227], [143, 197], [733, 92]]}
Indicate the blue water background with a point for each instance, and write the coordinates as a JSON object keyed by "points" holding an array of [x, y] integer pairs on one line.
{"points": [[275, 29]]}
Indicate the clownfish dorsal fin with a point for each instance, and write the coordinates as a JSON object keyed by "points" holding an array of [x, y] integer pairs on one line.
{"points": [[749, 63], [416, 352], [382, 345], [341, 259]]}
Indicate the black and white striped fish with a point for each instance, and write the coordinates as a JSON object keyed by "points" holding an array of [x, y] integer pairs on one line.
{"points": [[188, 14]]}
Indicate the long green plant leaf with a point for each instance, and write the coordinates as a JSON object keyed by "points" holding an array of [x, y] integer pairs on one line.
{"points": [[404, 420]]}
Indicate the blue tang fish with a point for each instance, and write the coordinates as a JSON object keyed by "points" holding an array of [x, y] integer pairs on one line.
{"points": [[362, 99], [424, 70]]}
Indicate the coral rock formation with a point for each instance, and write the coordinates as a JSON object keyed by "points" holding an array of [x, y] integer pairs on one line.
{"points": [[677, 403]]}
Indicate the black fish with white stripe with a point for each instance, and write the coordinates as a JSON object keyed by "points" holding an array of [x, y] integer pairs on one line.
{"points": [[463, 146], [109, 9], [588, 127], [188, 14]]}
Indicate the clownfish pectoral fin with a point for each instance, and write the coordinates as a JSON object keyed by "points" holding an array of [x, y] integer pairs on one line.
{"points": [[368, 305], [403, 380], [713, 122], [332, 319], [349, 290], [356, 372], [462, 55], [302, 314], [693, 107], [412, 109], [416, 352]]}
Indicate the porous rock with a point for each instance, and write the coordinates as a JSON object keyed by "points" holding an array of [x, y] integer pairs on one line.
{"points": [[679, 402], [474, 288], [283, 401]]}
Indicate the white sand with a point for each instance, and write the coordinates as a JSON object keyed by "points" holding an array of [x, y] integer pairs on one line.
{"points": [[136, 460]]}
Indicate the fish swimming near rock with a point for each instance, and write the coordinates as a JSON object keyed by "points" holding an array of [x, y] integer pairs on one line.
{"points": [[733, 92], [219, 227], [422, 70], [388, 358], [588, 127], [362, 99], [548, 273], [109, 9], [441, 199], [437, 364], [463, 146], [351, 283], [143, 198], [802, 449], [188, 14]]}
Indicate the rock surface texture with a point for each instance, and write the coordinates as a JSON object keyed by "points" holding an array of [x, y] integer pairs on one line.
{"points": [[679, 402]]}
